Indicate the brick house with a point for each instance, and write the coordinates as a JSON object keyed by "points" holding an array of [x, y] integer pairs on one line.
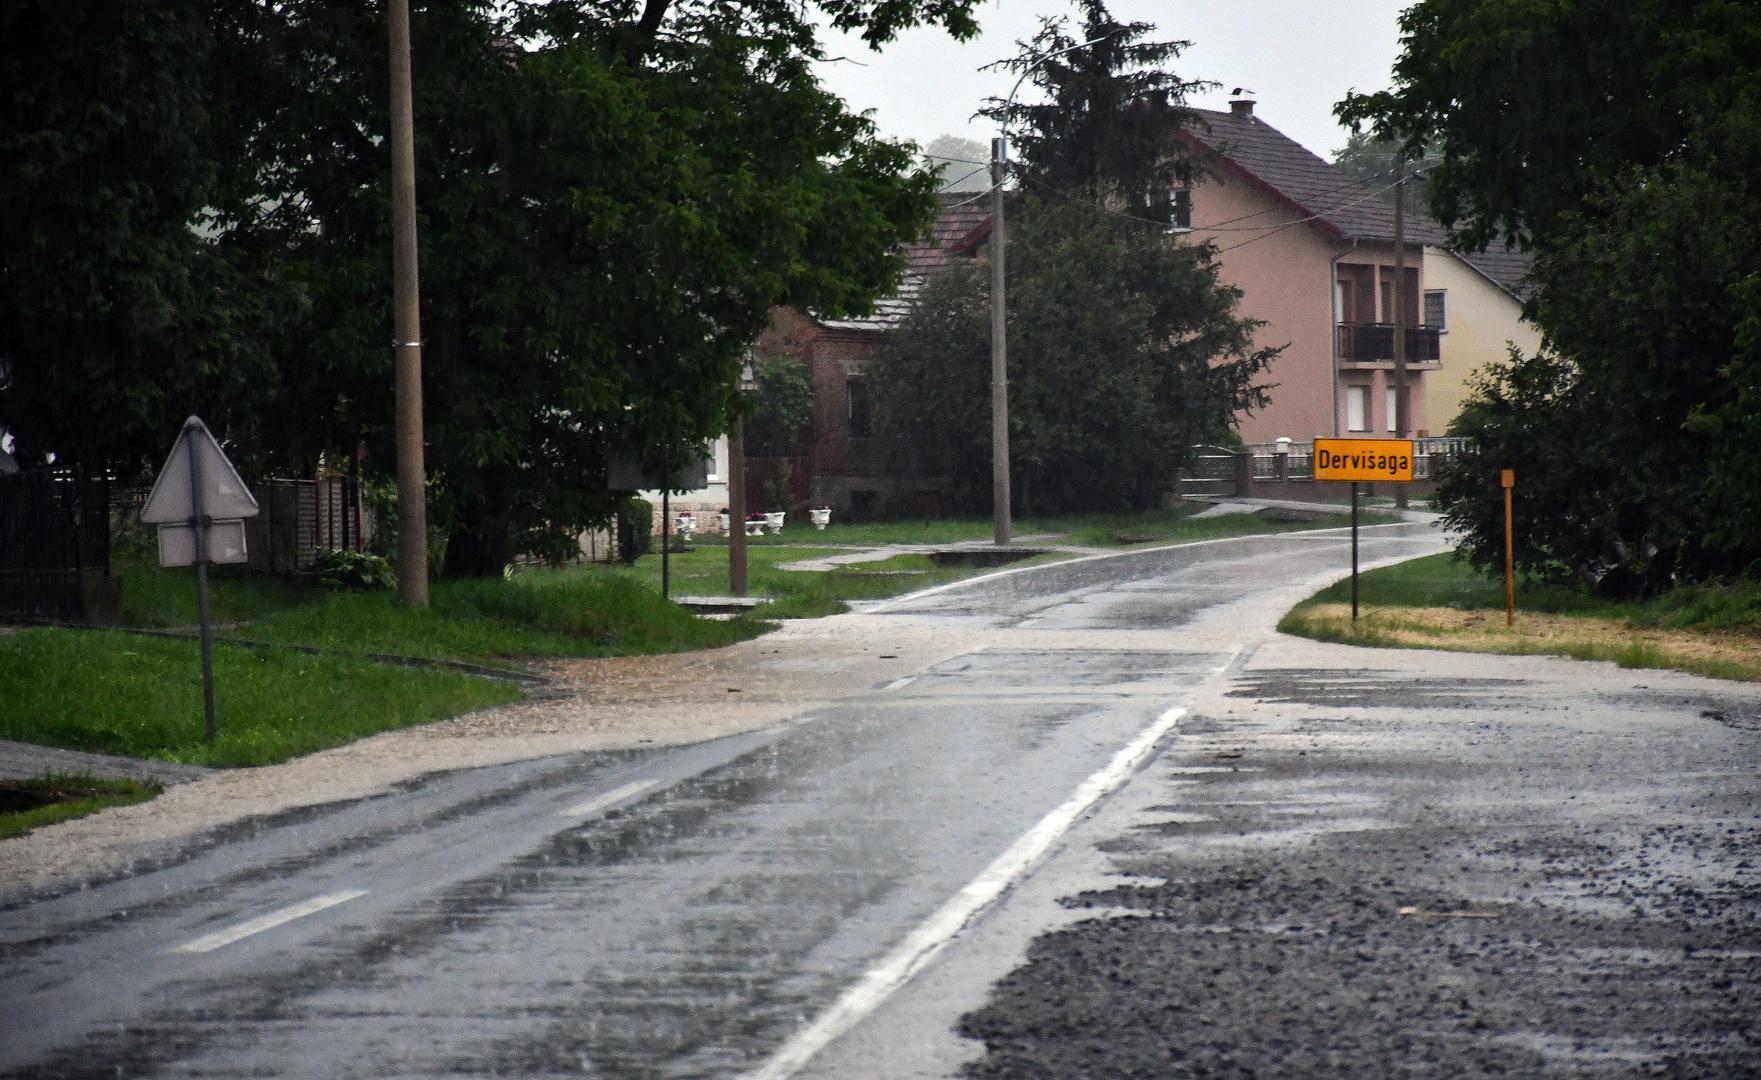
{"points": [[843, 465]]}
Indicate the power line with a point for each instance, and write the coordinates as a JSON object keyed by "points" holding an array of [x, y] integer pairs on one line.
{"points": [[952, 183]]}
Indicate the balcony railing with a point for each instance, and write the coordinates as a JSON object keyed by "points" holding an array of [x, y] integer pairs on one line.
{"points": [[1360, 342]]}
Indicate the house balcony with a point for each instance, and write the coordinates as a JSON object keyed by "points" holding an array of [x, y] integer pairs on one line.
{"points": [[1373, 343]]}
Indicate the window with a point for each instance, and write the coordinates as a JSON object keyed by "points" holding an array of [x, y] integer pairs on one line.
{"points": [[861, 409], [716, 460], [1437, 309], [1393, 404], [1180, 210], [1172, 206], [1357, 408]]}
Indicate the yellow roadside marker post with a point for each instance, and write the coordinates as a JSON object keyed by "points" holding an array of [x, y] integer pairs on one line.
{"points": [[1507, 479]]}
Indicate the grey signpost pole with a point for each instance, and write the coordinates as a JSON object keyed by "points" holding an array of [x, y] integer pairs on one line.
{"points": [[199, 524], [1354, 551]]}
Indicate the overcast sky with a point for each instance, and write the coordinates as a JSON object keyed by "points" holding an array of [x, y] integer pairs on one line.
{"points": [[1299, 56]]}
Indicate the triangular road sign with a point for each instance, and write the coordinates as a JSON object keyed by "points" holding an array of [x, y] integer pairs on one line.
{"points": [[224, 496]]}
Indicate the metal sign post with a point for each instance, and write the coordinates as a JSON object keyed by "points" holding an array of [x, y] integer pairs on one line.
{"points": [[199, 521], [1359, 460], [200, 503], [1354, 551]]}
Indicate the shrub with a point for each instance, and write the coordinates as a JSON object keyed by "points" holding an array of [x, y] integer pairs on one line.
{"points": [[340, 568]]}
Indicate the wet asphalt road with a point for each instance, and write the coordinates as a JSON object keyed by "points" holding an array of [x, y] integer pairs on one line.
{"points": [[697, 912]]}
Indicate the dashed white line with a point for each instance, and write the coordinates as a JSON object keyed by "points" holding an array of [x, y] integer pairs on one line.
{"points": [[923, 943], [220, 938], [899, 684], [610, 798]]}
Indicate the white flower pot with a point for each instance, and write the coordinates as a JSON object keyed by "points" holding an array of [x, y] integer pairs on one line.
{"points": [[687, 526], [724, 519], [755, 528], [773, 520], [819, 518]]}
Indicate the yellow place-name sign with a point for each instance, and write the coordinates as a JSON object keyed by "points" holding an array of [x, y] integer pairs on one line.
{"points": [[1364, 459]]}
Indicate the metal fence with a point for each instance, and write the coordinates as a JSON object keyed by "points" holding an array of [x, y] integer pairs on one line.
{"points": [[296, 518], [1212, 469], [54, 542]]}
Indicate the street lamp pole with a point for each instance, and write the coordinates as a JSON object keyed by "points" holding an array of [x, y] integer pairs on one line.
{"points": [[737, 581], [1000, 511]]}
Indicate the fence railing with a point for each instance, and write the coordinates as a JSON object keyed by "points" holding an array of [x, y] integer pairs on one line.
{"points": [[1359, 342], [297, 517], [1215, 470]]}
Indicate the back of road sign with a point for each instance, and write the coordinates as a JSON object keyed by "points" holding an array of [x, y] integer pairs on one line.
{"points": [[224, 495], [1364, 460], [226, 543]]}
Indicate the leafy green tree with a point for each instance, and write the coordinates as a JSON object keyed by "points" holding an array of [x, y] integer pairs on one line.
{"points": [[613, 199], [1621, 145], [1106, 127], [1536, 102], [961, 163], [118, 318], [1125, 350], [1369, 159], [782, 409]]}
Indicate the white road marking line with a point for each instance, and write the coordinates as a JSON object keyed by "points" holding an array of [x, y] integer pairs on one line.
{"points": [[899, 684], [270, 921], [922, 944], [1193, 770], [616, 795]]}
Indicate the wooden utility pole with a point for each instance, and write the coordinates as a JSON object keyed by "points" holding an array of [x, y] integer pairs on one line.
{"points": [[1402, 398], [999, 351], [412, 496]]}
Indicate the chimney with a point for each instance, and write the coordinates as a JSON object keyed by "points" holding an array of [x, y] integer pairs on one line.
{"points": [[1242, 107]]}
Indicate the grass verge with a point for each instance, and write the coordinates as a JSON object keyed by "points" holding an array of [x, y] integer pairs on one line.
{"points": [[32, 804], [1440, 603], [115, 693], [574, 612]]}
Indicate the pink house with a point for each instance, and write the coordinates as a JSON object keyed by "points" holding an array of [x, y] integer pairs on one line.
{"points": [[1312, 251]]}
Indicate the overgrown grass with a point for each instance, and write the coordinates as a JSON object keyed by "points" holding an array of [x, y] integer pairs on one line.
{"points": [[1439, 602], [539, 613], [116, 693], [153, 595], [74, 797]]}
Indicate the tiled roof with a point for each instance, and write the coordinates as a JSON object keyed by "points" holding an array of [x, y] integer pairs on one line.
{"points": [[1507, 269], [1344, 207], [956, 230]]}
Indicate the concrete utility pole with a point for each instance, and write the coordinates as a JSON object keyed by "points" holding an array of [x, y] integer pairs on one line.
{"points": [[412, 496], [999, 302], [999, 349], [1402, 393]]}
